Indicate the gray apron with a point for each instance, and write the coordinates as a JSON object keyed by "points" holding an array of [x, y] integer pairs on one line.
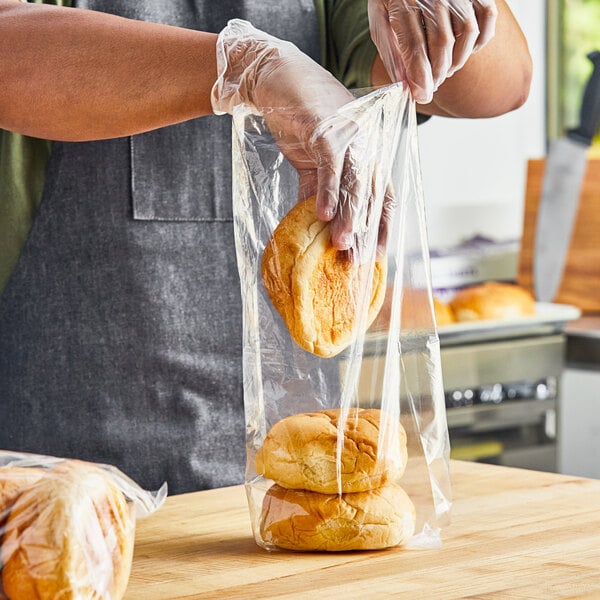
{"points": [[121, 329]]}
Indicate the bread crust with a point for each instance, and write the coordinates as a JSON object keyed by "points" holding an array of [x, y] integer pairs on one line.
{"points": [[492, 301], [299, 452], [314, 287], [443, 313], [69, 535], [13, 481], [309, 521]]}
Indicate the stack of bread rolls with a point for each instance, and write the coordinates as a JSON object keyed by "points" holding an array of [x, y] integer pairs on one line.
{"points": [[325, 500], [318, 291], [66, 532]]}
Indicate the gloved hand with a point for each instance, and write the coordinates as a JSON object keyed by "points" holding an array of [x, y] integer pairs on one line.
{"points": [[423, 42], [301, 102]]}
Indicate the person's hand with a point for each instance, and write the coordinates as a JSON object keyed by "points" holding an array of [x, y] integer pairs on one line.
{"points": [[301, 102], [423, 42]]}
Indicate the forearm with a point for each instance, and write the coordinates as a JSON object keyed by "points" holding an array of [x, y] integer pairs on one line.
{"points": [[75, 75], [494, 80]]}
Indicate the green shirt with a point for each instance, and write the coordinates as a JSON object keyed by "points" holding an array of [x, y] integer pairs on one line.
{"points": [[347, 52]]}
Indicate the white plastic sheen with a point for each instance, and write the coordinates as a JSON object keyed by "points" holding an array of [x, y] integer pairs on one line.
{"points": [[394, 367], [144, 502]]}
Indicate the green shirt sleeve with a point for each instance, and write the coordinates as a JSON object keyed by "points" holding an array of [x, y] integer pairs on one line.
{"points": [[346, 45], [348, 51], [22, 164]]}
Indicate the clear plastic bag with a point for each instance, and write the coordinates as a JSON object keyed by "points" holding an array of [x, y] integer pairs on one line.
{"points": [[67, 527], [347, 440]]}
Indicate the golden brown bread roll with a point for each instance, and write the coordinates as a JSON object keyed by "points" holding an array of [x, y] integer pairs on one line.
{"points": [[299, 452], [492, 301], [69, 535], [314, 287], [13, 480], [300, 520], [443, 313]]}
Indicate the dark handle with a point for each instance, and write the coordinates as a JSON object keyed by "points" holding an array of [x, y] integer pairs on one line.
{"points": [[590, 107]]}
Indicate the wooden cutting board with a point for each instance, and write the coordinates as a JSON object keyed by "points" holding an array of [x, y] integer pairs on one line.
{"points": [[515, 534], [580, 285]]}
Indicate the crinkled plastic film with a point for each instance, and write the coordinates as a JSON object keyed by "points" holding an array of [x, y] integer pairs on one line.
{"points": [[67, 527], [393, 367]]}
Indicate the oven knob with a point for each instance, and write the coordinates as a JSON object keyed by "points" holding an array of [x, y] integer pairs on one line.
{"points": [[493, 394]]}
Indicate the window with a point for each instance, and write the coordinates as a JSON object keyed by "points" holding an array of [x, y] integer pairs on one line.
{"points": [[573, 32]]}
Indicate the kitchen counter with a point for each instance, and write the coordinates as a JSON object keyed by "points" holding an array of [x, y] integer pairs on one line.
{"points": [[583, 343], [514, 534]]}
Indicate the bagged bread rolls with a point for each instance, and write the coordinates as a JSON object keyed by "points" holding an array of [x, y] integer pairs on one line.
{"points": [[315, 288], [300, 520], [492, 301], [68, 535], [299, 452]]}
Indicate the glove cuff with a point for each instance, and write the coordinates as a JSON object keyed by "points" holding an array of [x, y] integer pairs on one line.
{"points": [[241, 48]]}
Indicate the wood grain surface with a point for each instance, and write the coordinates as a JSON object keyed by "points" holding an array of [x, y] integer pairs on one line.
{"points": [[580, 285], [515, 534]]}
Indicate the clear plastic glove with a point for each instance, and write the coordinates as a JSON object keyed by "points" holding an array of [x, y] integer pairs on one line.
{"points": [[423, 42], [301, 102]]}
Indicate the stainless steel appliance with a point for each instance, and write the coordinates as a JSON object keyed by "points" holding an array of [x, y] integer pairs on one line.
{"points": [[502, 381], [502, 399], [579, 432], [502, 384]]}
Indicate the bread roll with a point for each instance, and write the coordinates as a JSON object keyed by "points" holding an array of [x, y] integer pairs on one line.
{"points": [[69, 535], [314, 287], [492, 301], [300, 520], [13, 480], [299, 452], [443, 313]]}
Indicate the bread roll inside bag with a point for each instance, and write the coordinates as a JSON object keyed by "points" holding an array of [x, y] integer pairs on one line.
{"points": [[315, 354], [67, 527]]}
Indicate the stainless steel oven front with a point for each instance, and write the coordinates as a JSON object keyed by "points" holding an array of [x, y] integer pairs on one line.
{"points": [[502, 400]]}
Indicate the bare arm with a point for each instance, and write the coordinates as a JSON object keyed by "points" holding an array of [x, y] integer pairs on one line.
{"points": [[494, 80], [75, 75]]}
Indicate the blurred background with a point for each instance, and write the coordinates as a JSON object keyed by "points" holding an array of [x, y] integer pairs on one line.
{"points": [[490, 200], [522, 398]]}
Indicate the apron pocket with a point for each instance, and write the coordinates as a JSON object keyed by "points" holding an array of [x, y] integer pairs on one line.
{"points": [[183, 172]]}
